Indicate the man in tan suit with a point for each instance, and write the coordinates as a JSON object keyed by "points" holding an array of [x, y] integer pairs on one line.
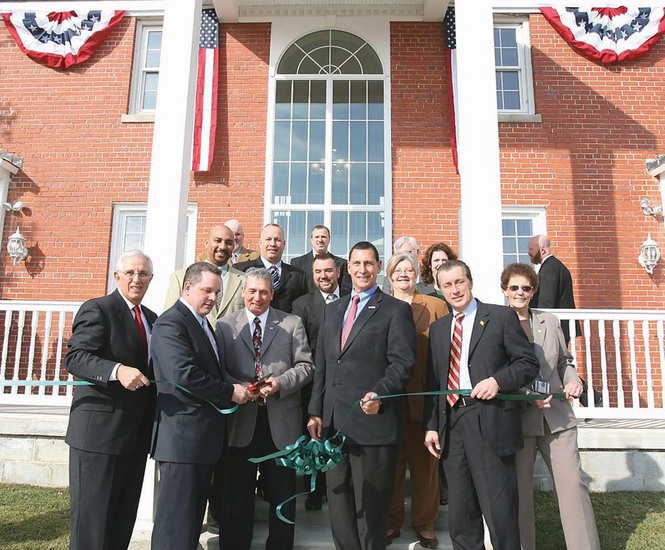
{"points": [[218, 247], [240, 253], [260, 341]]}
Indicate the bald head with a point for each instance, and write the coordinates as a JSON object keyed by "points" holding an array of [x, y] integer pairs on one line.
{"points": [[539, 247], [219, 245], [238, 233]]}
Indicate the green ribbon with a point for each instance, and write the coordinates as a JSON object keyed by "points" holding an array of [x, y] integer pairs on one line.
{"points": [[309, 456], [32, 383]]}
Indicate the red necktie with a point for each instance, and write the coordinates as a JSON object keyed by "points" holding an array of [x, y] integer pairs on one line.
{"points": [[455, 359], [350, 318], [142, 333]]}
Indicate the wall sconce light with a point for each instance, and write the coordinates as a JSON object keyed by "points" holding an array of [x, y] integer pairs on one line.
{"points": [[16, 207], [649, 210], [18, 252], [649, 255]]}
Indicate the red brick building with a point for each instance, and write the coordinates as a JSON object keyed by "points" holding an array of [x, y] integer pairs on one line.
{"points": [[572, 154]]}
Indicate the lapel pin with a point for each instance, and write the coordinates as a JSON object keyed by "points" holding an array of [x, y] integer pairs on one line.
{"points": [[482, 323], [371, 307]]}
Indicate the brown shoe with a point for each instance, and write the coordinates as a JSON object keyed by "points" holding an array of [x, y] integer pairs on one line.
{"points": [[390, 536], [427, 539]]}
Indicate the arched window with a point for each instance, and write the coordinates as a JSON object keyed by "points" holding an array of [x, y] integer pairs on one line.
{"points": [[329, 146]]}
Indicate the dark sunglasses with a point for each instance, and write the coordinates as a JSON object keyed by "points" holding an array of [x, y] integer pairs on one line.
{"points": [[525, 288]]}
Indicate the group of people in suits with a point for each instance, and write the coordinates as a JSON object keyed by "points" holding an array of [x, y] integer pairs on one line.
{"points": [[249, 335]]}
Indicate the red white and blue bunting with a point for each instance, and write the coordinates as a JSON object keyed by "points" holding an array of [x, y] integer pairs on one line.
{"points": [[608, 35], [61, 39]]}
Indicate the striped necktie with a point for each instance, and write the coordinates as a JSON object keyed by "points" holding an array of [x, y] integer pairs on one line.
{"points": [[274, 273], [455, 359]]}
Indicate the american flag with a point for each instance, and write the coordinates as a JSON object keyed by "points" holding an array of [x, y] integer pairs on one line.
{"points": [[451, 62], [205, 121]]}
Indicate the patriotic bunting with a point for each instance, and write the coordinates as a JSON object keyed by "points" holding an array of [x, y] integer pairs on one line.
{"points": [[608, 35], [61, 39]]}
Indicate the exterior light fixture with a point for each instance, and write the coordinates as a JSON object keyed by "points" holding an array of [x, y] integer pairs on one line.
{"points": [[649, 255], [18, 252], [649, 210]]}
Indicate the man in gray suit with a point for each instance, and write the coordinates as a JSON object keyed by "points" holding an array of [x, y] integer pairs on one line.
{"points": [[188, 434], [219, 246], [262, 343]]}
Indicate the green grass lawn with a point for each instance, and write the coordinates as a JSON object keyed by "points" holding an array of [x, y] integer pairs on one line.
{"points": [[36, 518]]}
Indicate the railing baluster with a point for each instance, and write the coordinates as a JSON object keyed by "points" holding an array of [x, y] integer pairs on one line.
{"points": [[647, 363], [5, 343], [589, 363], [621, 398], [661, 356], [34, 321], [58, 355], [633, 364], [19, 344], [47, 336], [603, 363]]}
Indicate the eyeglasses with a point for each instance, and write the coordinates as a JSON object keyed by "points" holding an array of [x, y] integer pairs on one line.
{"points": [[141, 274], [525, 288], [404, 272]]}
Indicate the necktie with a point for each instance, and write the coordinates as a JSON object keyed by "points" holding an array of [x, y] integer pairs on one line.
{"points": [[208, 330], [274, 273], [218, 302], [350, 318], [256, 340], [331, 298], [141, 328], [455, 359]]}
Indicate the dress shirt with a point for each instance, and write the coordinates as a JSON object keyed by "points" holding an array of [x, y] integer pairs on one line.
{"points": [[148, 332], [467, 329], [364, 298], [263, 320], [268, 265]]}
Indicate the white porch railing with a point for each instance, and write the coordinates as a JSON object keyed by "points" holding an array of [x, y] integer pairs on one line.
{"points": [[34, 343], [619, 353]]}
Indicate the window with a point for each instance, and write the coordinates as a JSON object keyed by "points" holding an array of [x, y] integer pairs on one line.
{"points": [[519, 224], [145, 72], [512, 56], [128, 233], [329, 161]]}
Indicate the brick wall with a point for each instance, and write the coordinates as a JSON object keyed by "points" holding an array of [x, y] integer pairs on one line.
{"points": [[584, 162]]}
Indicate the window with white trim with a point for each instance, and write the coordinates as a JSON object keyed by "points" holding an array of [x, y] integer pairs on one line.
{"points": [[512, 57], [145, 71], [128, 233], [519, 224], [329, 159]]}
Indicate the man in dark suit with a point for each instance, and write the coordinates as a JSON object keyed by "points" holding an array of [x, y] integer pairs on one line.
{"points": [[110, 421], [289, 282], [555, 284], [486, 351], [320, 239], [309, 308], [366, 348], [188, 434], [262, 342]]}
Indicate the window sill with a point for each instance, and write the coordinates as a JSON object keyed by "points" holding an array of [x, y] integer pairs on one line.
{"points": [[139, 117], [519, 117]]}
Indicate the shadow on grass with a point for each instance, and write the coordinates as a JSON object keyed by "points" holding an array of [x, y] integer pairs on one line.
{"points": [[34, 518], [627, 520]]}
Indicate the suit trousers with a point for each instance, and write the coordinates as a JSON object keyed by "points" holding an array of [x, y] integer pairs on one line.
{"points": [[424, 471], [182, 493], [237, 525], [104, 497], [480, 483], [560, 453], [359, 490], [216, 491]]}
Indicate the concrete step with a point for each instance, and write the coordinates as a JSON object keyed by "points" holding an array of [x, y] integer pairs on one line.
{"points": [[312, 531]]}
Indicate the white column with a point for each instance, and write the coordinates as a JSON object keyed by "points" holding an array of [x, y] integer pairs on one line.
{"points": [[481, 244], [169, 174], [172, 144]]}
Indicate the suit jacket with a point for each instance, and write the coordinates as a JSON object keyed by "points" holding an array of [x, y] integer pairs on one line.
{"points": [[305, 263], [557, 368], [246, 255], [231, 294], [555, 290], [187, 429], [310, 309], [426, 310], [378, 356], [105, 417], [292, 284], [498, 348], [284, 354]]}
